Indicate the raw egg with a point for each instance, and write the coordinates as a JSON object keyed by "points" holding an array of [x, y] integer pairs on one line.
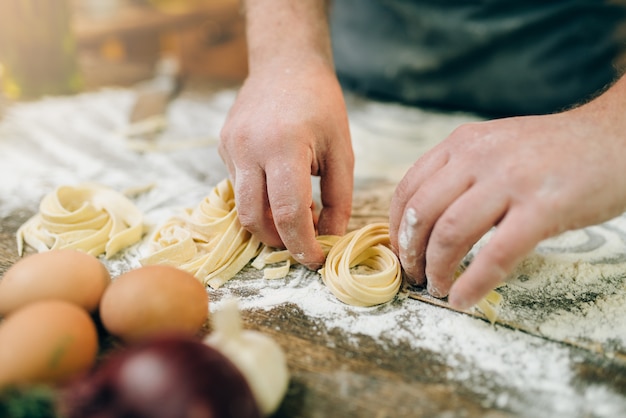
{"points": [[46, 342], [154, 299], [69, 275]]}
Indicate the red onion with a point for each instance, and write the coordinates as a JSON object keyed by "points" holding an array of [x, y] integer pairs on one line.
{"points": [[164, 377]]}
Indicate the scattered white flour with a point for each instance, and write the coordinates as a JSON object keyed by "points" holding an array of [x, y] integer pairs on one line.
{"points": [[582, 303], [73, 140], [511, 369], [406, 234]]}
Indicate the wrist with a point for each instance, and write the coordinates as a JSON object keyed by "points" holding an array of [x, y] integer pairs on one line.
{"points": [[288, 33], [607, 110]]}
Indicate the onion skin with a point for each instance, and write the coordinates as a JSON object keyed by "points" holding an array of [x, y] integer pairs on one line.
{"points": [[168, 376], [260, 359]]}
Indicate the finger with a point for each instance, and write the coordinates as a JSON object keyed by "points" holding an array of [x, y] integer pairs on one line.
{"points": [[517, 235], [461, 225], [336, 186], [230, 166], [423, 169], [315, 215], [253, 206], [290, 197], [423, 210]]}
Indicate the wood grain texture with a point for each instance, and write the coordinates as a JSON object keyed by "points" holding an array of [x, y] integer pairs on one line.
{"points": [[335, 371]]}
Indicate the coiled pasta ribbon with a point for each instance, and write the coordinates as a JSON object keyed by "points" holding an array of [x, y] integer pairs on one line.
{"points": [[207, 241], [88, 217], [361, 269]]}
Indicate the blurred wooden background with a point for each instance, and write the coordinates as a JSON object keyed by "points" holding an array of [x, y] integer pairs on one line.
{"points": [[120, 41]]}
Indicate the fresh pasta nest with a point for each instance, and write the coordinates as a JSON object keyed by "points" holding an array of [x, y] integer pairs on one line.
{"points": [[361, 269], [88, 217], [209, 242]]}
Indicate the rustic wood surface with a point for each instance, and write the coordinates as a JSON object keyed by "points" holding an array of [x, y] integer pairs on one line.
{"points": [[332, 376], [334, 372]]}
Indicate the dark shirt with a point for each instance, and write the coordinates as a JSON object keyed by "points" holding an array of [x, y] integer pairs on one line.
{"points": [[495, 57]]}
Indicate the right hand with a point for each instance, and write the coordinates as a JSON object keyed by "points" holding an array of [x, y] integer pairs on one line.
{"points": [[289, 122]]}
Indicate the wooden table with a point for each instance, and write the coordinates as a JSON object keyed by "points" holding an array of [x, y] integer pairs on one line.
{"points": [[334, 376], [339, 373]]}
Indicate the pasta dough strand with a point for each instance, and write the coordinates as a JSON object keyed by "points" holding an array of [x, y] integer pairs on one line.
{"points": [[207, 241], [88, 217], [361, 269]]}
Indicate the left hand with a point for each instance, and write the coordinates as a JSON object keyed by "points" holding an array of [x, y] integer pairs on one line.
{"points": [[533, 177]]}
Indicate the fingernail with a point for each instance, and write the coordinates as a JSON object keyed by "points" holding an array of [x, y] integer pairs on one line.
{"points": [[412, 280], [311, 265], [314, 266], [459, 303], [433, 291]]}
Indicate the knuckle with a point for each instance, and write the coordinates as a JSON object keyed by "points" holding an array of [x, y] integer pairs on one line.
{"points": [[248, 221], [446, 233], [498, 259], [286, 214], [402, 192], [467, 130], [343, 211], [255, 226], [231, 133]]}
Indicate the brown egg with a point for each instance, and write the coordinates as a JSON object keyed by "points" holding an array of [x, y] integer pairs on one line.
{"points": [[69, 275], [154, 299], [46, 342]]}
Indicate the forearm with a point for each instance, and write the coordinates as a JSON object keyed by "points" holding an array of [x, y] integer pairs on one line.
{"points": [[287, 31]]}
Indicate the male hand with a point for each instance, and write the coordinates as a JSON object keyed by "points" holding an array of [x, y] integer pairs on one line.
{"points": [[531, 177], [290, 122]]}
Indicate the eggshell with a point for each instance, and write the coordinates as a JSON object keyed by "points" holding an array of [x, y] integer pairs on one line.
{"points": [[69, 275], [46, 342], [154, 299]]}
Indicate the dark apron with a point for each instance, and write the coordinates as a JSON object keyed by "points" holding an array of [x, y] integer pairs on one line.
{"points": [[495, 57]]}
